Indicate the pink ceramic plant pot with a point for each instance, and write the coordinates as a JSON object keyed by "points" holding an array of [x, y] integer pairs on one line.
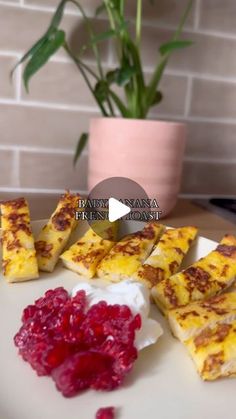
{"points": [[148, 152]]}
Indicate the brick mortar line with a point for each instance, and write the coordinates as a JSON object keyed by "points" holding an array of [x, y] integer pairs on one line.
{"points": [[55, 58], [200, 76], [188, 96], [199, 31], [52, 151], [39, 190], [84, 109], [191, 118], [208, 160], [15, 170], [110, 54], [44, 150], [69, 108], [18, 83], [49, 151], [10, 54], [85, 192], [37, 8], [197, 15], [65, 107], [146, 23], [203, 196], [50, 105], [147, 69]]}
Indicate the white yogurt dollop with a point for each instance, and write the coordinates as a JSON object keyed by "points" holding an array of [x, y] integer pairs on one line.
{"points": [[135, 296]]}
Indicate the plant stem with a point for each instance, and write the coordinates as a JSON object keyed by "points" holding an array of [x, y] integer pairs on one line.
{"points": [[122, 7], [86, 67], [92, 35], [151, 90], [110, 15], [127, 52], [138, 22], [95, 48], [113, 26], [78, 63], [183, 20], [139, 82], [153, 85], [122, 108]]}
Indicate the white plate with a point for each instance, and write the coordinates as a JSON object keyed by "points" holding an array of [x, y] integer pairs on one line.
{"points": [[164, 383]]}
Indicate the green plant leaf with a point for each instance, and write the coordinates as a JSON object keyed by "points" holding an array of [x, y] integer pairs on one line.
{"points": [[56, 20], [125, 74], [114, 4], [134, 54], [110, 33], [80, 146], [121, 76], [125, 112], [158, 98], [33, 50], [42, 55], [100, 9], [183, 19], [160, 68], [111, 76], [171, 46], [101, 91], [103, 36], [153, 85]]}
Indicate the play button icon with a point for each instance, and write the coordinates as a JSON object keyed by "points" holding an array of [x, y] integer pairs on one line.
{"points": [[117, 210], [116, 199]]}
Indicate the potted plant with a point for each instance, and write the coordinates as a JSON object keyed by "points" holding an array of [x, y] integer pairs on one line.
{"points": [[123, 142]]}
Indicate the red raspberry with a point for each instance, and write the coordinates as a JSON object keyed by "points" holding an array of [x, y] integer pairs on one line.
{"points": [[79, 371], [80, 348], [105, 413]]}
